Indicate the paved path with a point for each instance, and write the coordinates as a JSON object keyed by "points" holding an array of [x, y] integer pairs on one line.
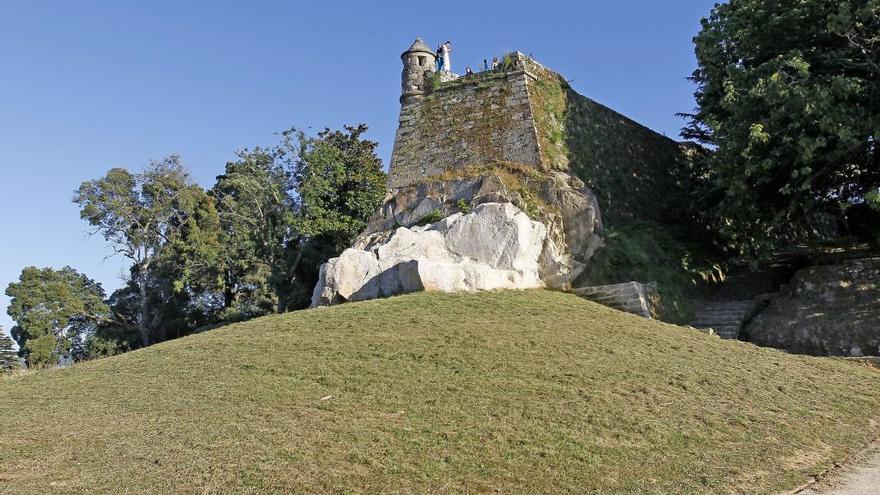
{"points": [[862, 478]]}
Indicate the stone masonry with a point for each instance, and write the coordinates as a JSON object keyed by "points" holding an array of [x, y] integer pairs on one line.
{"points": [[527, 114], [631, 297], [472, 121]]}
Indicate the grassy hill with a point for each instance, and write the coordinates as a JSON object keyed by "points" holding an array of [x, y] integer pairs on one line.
{"points": [[505, 392]]}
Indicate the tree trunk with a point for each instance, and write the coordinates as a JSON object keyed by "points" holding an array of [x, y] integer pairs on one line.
{"points": [[143, 328], [228, 291]]}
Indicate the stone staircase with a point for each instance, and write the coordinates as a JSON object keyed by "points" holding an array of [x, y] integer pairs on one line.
{"points": [[631, 297], [725, 318], [741, 296]]}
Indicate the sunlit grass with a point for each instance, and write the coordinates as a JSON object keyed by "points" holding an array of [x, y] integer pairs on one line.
{"points": [[509, 392]]}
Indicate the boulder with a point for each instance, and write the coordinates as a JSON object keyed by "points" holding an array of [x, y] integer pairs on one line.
{"points": [[560, 201], [353, 276], [498, 235], [502, 226], [497, 246]]}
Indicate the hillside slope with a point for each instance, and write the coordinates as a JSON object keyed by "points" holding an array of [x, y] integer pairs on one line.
{"points": [[510, 392]]}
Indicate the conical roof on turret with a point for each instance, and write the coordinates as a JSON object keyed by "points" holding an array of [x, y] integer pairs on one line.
{"points": [[418, 46]]}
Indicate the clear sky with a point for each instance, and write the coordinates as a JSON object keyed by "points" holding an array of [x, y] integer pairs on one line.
{"points": [[90, 85]]}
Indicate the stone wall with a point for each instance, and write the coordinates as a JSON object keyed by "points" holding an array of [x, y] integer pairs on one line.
{"points": [[528, 114], [825, 310], [631, 297], [472, 121], [631, 168]]}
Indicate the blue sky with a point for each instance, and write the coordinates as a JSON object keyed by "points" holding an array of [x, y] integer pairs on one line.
{"points": [[89, 85]]}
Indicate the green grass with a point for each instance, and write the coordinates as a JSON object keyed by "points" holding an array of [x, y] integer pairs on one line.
{"points": [[502, 392]]}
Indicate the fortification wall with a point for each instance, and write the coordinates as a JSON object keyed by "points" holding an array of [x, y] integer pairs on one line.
{"points": [[630, 167], [472, 121], [528, 114]]}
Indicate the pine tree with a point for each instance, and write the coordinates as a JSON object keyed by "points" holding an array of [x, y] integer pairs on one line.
{"points": [[8, 357]]}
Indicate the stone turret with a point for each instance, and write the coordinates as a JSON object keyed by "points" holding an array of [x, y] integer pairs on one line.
{"points": [[418, 60]]}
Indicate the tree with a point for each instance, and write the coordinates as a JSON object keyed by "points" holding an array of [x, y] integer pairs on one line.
{"points": [[8, 356], [54, 310], [166, 226], [256, 212], [787, 95], [337, 183]]}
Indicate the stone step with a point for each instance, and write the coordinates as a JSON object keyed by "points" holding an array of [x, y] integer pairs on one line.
{"points": [[720, 316], [728, 311], [631, 297], [737, 312], [716, 323], [708, 321], [703, 319], [726, 306]]}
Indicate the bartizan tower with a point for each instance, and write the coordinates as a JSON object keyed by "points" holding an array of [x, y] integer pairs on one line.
{"points": [[418, 60]]}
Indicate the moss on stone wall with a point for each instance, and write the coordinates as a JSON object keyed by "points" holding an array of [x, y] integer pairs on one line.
{"points": [[526, 182], [471, 120], [631, 168]]}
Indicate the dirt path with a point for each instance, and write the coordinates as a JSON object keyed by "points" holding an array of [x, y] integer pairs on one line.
{"points": [[861, 478]]}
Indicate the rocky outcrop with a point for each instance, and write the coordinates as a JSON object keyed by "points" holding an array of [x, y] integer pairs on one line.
{"points": [[824, 310], [496, 246], [502, 226]]}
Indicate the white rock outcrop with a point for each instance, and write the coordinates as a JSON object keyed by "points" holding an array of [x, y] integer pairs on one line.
{"points": [[496, 246]]}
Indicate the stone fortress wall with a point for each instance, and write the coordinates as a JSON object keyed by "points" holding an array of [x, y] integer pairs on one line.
{"points": [[528, 114], [470, 121]]}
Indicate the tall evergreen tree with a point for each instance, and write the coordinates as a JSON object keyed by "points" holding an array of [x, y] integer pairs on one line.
{"points": [[788, 95], [8, 356], [256, 212], [337, 183]]}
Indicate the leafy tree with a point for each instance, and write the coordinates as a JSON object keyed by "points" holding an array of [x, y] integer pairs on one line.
{"points": [[256, 213], [337, 183], [787, 95], [8, 356], [168, 227], [54, 310]]}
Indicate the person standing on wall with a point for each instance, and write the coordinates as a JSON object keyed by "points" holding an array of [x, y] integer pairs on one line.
{"points": [[445, 49]]}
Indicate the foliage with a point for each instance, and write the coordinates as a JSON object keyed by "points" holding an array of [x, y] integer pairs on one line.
{"points": [[787, 95], [649, 252], [508, 391], [435, 216], [8, 355], [168, 228], [508, 62], [54, 312], [872, 198], [337, 183], [249, 246], [464, 207], [436, 80], [256, 216]]}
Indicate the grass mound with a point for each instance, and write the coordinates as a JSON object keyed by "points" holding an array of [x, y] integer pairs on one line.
{"points": [[510, 392]]}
